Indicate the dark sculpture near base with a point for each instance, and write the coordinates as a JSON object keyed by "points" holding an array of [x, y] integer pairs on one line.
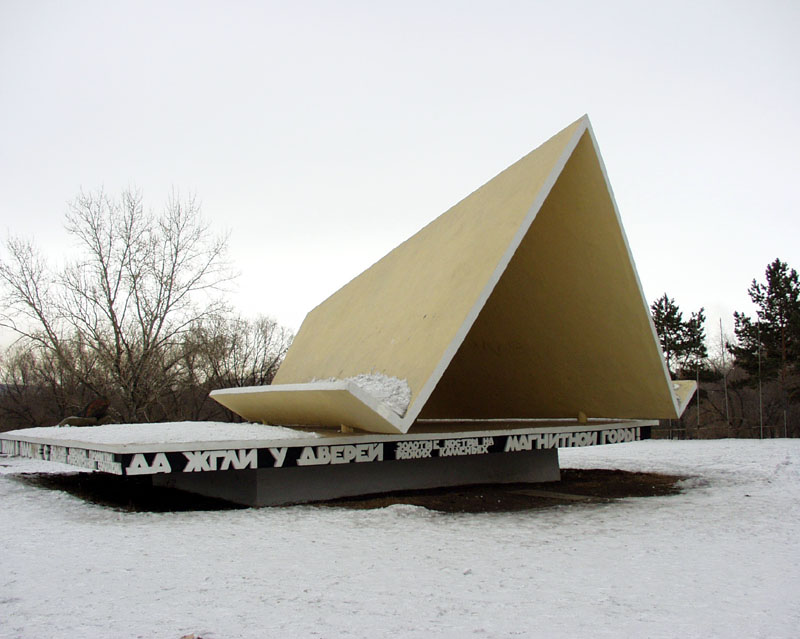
{"points": [[93, 414]]}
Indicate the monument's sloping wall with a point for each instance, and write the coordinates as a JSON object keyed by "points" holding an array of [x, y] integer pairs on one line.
{"points": [[401, 315], [567, 328], [521, 301]]}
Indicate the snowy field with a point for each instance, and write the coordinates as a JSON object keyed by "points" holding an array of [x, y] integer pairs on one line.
{"points": [[722, 559]]}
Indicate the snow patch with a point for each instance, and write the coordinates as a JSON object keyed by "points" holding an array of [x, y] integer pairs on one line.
{"points": [[166, 433], [408, 510], [18, 466], [392, 391]]}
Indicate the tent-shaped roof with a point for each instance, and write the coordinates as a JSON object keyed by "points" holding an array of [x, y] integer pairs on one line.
{"points": [[521, 301]]}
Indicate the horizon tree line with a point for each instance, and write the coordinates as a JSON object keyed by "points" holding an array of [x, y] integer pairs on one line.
{"points": [[139, 318], [757, 392]]}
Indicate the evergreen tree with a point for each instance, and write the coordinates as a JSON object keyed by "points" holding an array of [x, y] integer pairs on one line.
{"points": [[668, 320], [694, 343], [774, 336], [683, 342]]}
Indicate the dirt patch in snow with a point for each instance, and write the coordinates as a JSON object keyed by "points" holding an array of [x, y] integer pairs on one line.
{"points": [[136, 494], [577, 486]]}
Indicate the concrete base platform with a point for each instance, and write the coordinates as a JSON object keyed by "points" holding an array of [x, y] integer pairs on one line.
{"points": [[275, 486], [259, 465]]}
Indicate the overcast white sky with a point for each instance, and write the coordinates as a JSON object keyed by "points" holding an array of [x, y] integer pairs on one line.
{"points": [[322, 134]]}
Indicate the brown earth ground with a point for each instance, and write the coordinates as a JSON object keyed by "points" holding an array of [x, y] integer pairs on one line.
{"points": [[136, 494]]}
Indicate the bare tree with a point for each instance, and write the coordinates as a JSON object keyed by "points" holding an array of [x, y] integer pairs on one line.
{"points": [[241, 352], [117, 315], [226, 351]]}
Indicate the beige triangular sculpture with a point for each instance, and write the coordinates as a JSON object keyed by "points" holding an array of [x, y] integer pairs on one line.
{"points": [[521, 301]]}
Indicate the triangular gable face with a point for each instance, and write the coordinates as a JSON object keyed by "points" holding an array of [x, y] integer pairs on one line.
{"points": [[521, 301], [566, 329]]}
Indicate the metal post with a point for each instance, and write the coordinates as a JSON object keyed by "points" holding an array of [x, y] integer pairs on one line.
{"points": [[724, 373], [760, 403], [697, 372]]}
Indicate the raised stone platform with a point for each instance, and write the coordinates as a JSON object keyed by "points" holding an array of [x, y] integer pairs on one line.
{"points": [[259, 465]]}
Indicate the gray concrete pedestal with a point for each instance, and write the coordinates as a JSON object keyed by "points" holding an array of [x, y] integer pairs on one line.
{"points": [[277, 486]]}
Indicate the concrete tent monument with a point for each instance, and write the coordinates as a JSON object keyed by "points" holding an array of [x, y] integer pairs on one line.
{"points": [[509, 327], [520, 302]]}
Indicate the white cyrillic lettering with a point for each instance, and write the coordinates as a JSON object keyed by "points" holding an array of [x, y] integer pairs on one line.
{"points": [[279, 455], [246, 459], [138, 465], [197, 461], [160, 464]]}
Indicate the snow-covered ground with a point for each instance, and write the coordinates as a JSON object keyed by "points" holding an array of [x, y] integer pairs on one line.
{"points": [[720, 560]]}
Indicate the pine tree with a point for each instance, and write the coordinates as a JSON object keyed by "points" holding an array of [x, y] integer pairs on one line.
{"points": [[694, 343], [774, 336], [668, 320], [683, 342]]}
